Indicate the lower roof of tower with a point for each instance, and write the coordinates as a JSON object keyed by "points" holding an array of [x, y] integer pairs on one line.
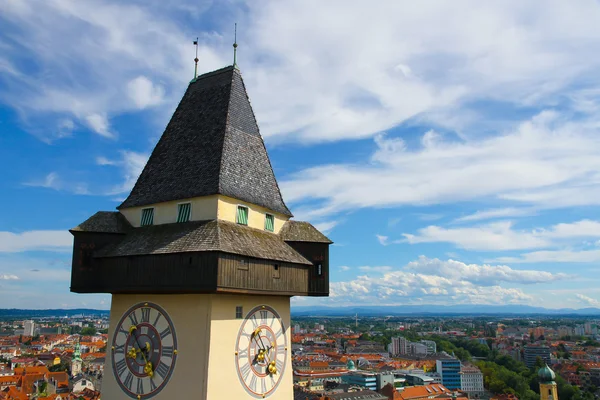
{"points": [[212, 145], [196, 236]]}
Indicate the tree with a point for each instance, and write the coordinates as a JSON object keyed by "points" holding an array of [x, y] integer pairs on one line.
{"points": [[88, 331]]}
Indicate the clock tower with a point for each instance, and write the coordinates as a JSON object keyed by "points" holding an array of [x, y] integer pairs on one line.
{"points": [[201, 260]]}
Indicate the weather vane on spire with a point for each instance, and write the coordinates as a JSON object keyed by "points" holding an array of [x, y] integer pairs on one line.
{"points": [[235, 45], [196, 59]]}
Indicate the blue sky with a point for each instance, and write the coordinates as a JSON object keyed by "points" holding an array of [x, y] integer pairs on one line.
{"points": [[450, 149]]}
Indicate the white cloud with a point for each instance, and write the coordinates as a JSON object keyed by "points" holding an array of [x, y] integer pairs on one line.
{"points": [[8, 277], [494, 236], [544, 163], [481, 274], [326, 226], [380, 269], [584, 228], [131, 164], [440, 282], [502, 236], [144, 93], [383, 240], [340, 81], [557, 256], [35, 240], [344, 268], [393, 68], [54, 181], [496, 213], [99, 124], [50, 181], [588, 300]]}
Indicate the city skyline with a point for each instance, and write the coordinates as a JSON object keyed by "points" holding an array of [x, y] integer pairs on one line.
{"points": [[447, 168]]}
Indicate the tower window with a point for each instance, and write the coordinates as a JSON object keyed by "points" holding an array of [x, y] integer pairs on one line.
{"points": [[319, 269], [147, 216], [269, 222], [239, 312], [242, 215], [276, 272], [184, 212]]}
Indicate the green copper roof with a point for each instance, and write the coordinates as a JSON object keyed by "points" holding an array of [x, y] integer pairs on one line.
{"points": [[546, 374], [77, 353]]}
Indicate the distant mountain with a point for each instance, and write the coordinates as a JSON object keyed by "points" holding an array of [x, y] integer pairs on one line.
{"points": [[462, 309], [14, 312]]}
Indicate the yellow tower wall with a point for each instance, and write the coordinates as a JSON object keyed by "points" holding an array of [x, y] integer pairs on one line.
{"points": [[548, 391], [206, 208], [227, 211], [206, 330], [223, 381], [203, 208]]}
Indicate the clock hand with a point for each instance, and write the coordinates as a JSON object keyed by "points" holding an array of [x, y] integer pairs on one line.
{"points": [[148, 369]]}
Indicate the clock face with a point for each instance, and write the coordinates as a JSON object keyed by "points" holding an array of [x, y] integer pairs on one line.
{"points": [[261, 351], [144, 350]]}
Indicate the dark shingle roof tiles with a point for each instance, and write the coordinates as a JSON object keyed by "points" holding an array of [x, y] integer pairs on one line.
{"points": [[104, 222], [212, 145], [300, 231], [213, 235]]}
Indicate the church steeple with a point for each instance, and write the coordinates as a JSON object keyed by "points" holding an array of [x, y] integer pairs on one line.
{"points": [[548, 389]]}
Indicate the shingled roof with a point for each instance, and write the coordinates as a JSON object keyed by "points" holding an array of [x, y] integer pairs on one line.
{"points": [[104, 222], [212, 145], [300, 231], [213, 235]]}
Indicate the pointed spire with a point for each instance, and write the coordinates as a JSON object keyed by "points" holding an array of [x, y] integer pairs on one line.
{"points": [[212, 145], [77, 352], [196, 59], [235, 45]]}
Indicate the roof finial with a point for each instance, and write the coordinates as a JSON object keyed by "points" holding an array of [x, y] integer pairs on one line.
{"points": [[196, 59], [235, 45]]}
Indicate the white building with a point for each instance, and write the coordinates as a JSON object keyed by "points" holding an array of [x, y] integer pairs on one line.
{"points": [[81, 383], [431, 346], [417, 349], [29, 328], [471, 379]]}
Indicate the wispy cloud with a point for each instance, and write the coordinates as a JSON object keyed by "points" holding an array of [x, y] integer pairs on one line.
{"points": [[326, 226], [588, 300], [555, 256], [497, 213], [465, 54], [55, 182], [131, 164], [502, 235], [35, 240], [99, 124], [556, 166], [8, 277], [383, 240], [50, 181]]}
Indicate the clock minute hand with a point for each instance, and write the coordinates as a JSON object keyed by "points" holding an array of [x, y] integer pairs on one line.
{"points": [[132, 330]]}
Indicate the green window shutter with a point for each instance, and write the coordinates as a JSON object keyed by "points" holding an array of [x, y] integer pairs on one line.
{"points": [[184, 212], [269, 223], [242, 215], [147, 216]]}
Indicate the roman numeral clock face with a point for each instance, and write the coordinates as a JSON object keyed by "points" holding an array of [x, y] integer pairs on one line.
{"points": [[144, 350], [261, 351]]}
